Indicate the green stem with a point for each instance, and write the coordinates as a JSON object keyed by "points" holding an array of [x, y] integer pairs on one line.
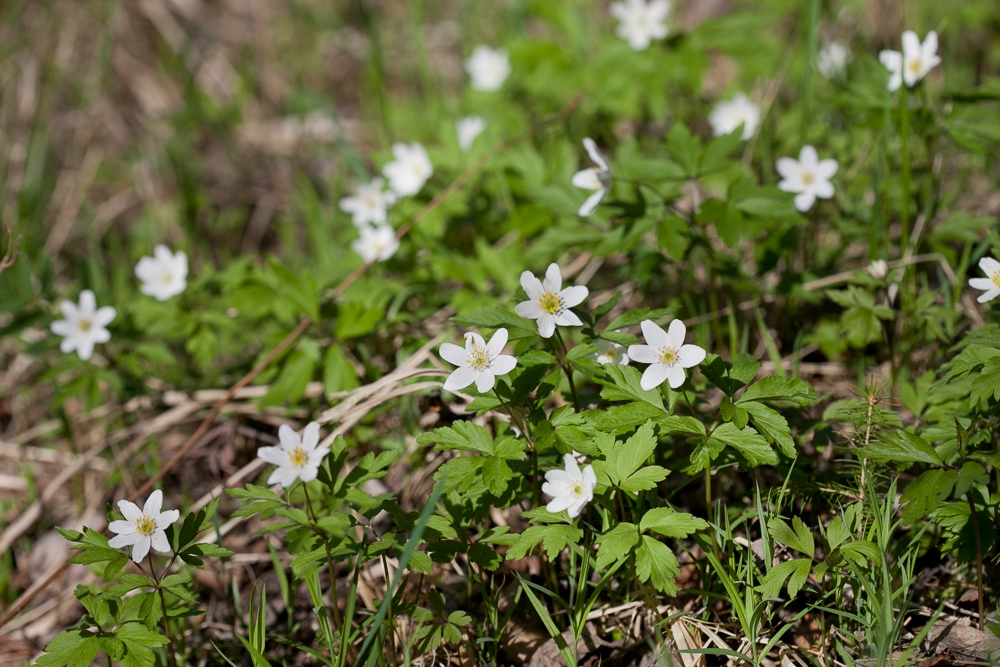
{"points": [[329, 561], [904, 209], [170, 649], [568, 370]]}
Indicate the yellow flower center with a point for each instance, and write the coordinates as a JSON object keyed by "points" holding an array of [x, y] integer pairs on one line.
{"points": [[84, 325], [550, 302], [807, 177], [996, 278], [479, 359], [668, 356], [145, 525], [578, 489], [167, 277], [915, 65], [298, 457]]}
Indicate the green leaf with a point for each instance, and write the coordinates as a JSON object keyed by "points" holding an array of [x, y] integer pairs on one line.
{"points": [[799, 538], [924, 493], [778, 388], [644, 479], [654, 561], [628, 457], [837, 532], [670, 523], [493, 318], [860, 551], [795, 571], [616, 543], [730, 413], [970, 474], [463, 435], [356, 319], [899, 446], [553, 538], [772, 425], [747, 442], [75, 646], [460, 472], [496, 474], [621, 383]]}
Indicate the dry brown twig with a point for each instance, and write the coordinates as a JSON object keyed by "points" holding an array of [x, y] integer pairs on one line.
{"points": [[46, 579]]}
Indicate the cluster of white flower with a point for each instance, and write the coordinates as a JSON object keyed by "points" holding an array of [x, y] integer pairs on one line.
{"points": [[808, 176], [143, 528], [832, 60], [915, 61], [729, 115], [641, 22], [991, 283]]}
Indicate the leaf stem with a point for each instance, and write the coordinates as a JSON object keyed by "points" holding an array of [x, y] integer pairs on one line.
{"points": [[568, 370]]}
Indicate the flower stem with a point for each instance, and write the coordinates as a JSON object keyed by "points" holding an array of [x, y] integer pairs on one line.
{"points": [[171, 655], [568, 370], [904, 136], [329, 559]]}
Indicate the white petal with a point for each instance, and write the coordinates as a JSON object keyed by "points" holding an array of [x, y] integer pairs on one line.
{"points": [[316, 456], [473, 340], [595, 154], [590, 205], [532, 285], [308, 473], [825, 169], [568, 318], [675, 376], [930, 46], [84, 347], [310, 436], [823, 189], [69, 310], [284, 476], [587, 179], [676, 333], [553, 279], [787, 167], [140, 548], [453, 354], [572, 467], [804, 201], [273, 455], [288, 437], [911, 45], [576, 508], [529, 309], [129, 510], [654, 334], [497, 342], [557, 476], [88, 302], [559, 503], [654, 376], [982, 283], [167, 518], [122, 527], [644, 354], [590, 478], [808, 158], [989, 296], [123, 540], [159, 541], [62, 328], [891, 60], [546, 325], [989, 266], [460, 379], [485, 381], [503, 364], [690, 355], [153, 504], [573, 296]]}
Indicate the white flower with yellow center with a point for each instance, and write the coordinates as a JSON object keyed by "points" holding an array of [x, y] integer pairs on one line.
{"points": [[297, 457], [488, 68], [641, 21], [990, 284], [548, 304], [143, 528], [729, 115], [369, 203], [410, 170], [84, 326], [611, 353], [478, 361], [163, 275], [571, 489], [666, 354], [915, 61], [375, 244], [808, 176], [467, 129], [595, 178], [832, 60]]}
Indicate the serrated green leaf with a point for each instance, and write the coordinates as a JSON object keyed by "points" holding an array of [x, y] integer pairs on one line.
{"points": [[671, 523], [900, 446], [796, 572], [622, 384], [463, 435], [778, 388], [76, 647], [772, 425], [799, 537], [496, 474], [747, 442], [655, 562], [924, 493], [616, 543], [553, 538]]}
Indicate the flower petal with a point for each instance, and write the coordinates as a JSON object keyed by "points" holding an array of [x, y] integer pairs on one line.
{"points": [[123, 540], [308, 473], [590, 205], [460, 379], [553, 279], [453, 354], [140, 548], [911, 45], [310, 436], [982, 283], [159, 542], [644, 354], [654, 334], [546, 325], [497, 342], [989, 296], [153, 504], [568, 318], [167, 518], [273, 455], [129, 510], [557, 476], [529, 309], [485, 381], [88, 302], [503, 364], [288, 437], [587, 179], [891, 60], [560, 503], [595, 154], [676, 333], [690, 355], [654, 376], [989, 266], [825, 169], [804, 201], [787, 167], [573, 296], [808, 158], [823, 189], [125, 527], [675, 376]]}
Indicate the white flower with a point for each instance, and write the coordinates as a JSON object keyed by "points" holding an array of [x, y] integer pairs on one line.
{"points": [[164, 275], [410, 170], [296, 458], [991, 283], [878, 269], [548, 303], [641, 22], [369, 203], [478, 362], [914, 62], [468, 129], [808, 176], [571, 489], [143, 528], [611, 353], [375, 244], [729, 115], [666, 353], [488, 68], [595, 178], [84, 325], [832, 59]]}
